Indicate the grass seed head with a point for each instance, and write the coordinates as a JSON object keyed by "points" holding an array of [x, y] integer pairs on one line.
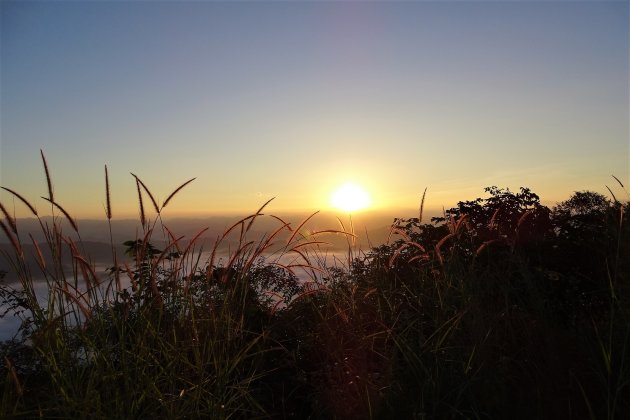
{"points": [[51, 197], [108, 202], [23, 200]]}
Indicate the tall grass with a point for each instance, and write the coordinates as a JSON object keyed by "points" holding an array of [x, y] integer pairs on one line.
{"points": [[482, 314]]}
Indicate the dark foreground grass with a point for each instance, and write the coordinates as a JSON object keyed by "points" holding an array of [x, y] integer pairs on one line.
{"points": [[503, 308]]}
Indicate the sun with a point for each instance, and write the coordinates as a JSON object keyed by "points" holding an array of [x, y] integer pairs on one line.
{"points": [[350, 197]]}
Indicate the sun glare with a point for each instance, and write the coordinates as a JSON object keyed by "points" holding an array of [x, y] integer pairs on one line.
{"points": [[350, 197]]}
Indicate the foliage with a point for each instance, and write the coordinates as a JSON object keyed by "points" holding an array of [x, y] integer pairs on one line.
{"points": [[503, 308]]}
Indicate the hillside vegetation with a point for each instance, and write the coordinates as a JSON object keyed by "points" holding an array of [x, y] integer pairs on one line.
{"points": [[502, 308]]}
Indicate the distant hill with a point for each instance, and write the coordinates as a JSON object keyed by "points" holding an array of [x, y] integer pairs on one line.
{"points": [[372, 225]]}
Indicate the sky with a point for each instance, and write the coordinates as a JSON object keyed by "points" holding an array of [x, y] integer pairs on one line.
{"points": [[292, 99]]}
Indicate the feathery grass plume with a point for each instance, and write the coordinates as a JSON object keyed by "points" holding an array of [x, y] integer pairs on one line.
{"points": [[65, 213], [319, 232], [617, 179], [438, 246], [108, 202], [407, 244], [309, 289], [132, 278], [75, 299], [353, 237], [172, 236], [243, 249], [210, 262], [622, 186], [240, 223], [423, 257], [40, 257], [51, 197], [178, 189], [422, 206], [309, 269], [194, 240], [88, 266], [492, 223], [155, 205], [349, 240], [295, 232], [22, 199], [258, 213], [143, 219], [108, 211], [612, 193], [283, 266], [74, 250], [367, 237], [262, 247], [287, 224], [463, 221], [14, 242], [86, 277], [309, 243], [370, 292], [279, 301], [267, 242], [174, 243], [191, 243], [455, 225], [394, 230], [395, 255], [10, 219], [301, 254]]}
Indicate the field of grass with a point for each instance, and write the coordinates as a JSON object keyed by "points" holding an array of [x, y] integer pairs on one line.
{"points": [[503, 308]]}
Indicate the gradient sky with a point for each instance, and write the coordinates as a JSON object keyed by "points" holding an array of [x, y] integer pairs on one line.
{"points": [[288, 99]]}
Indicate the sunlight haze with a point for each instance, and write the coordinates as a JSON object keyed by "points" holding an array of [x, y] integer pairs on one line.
{"points": [[350, 197]]}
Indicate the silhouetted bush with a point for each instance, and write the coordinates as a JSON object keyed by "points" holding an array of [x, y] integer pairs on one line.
{"points": [[503, 308]]}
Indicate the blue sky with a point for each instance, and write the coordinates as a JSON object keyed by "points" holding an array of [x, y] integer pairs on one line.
{"points": [[291, 99]]}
